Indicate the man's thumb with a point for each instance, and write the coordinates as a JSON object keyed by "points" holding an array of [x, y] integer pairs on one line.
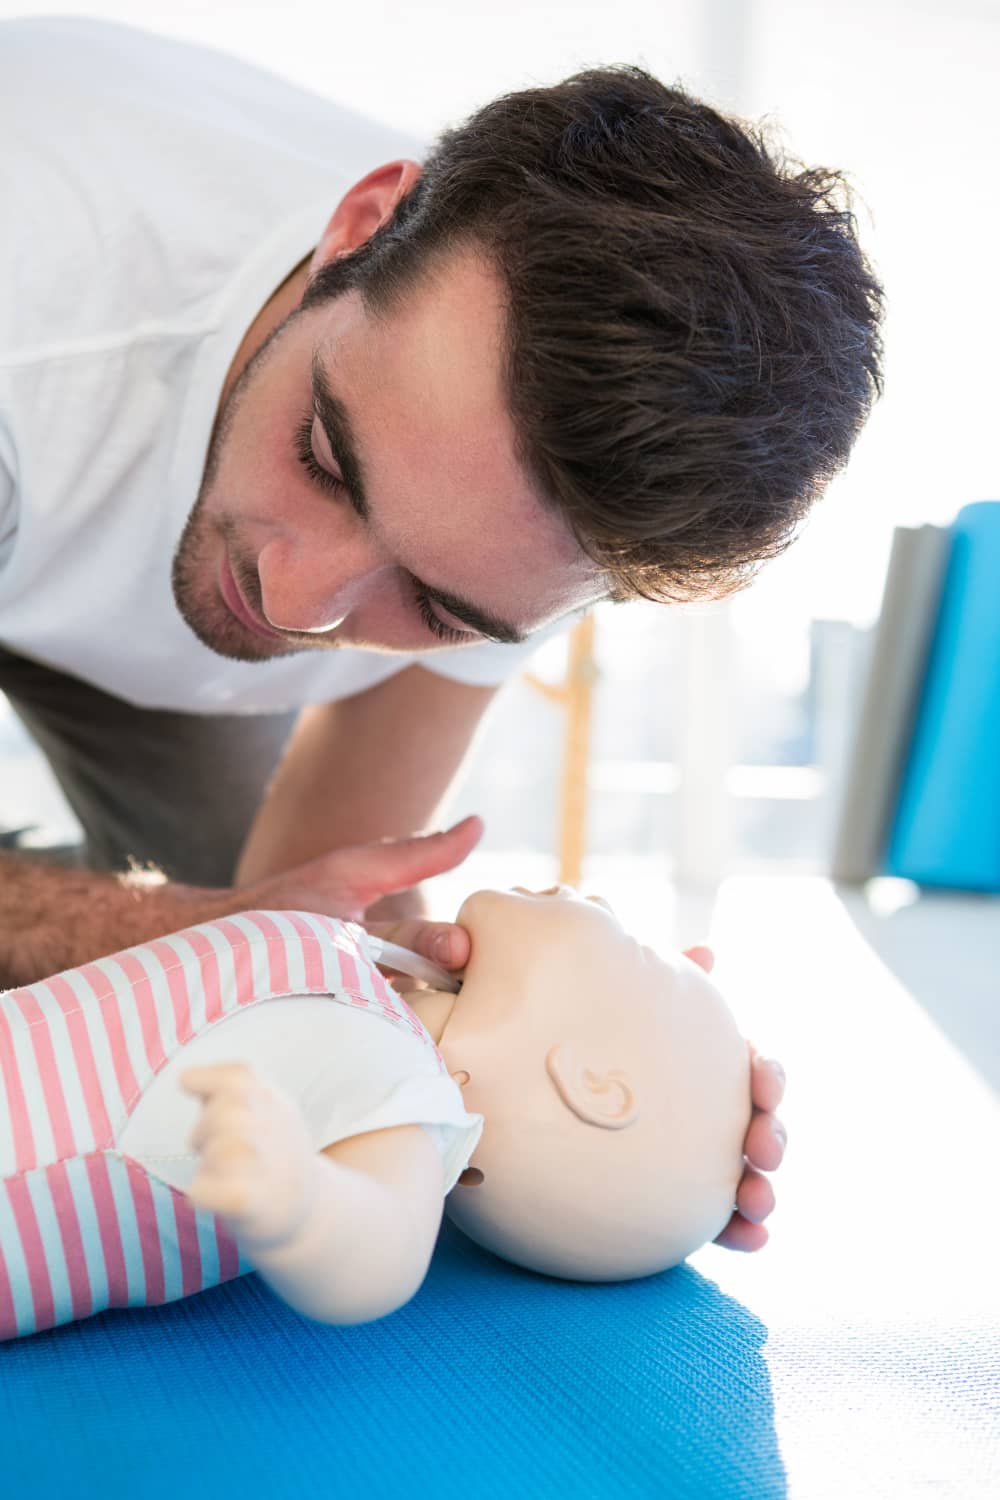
{"points": [[396, 864]]}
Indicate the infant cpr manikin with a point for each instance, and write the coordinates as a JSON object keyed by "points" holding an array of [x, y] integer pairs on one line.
{"points": [[614, 1084], [578, 1107]]}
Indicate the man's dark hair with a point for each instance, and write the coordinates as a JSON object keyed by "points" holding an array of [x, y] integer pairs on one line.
{"points": [[692, 330]]}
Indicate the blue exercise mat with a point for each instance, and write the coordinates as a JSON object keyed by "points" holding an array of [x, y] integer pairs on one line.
{"points": [[493, 1382]]}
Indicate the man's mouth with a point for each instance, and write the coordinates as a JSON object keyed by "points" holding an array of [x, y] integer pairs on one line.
{"points": [[238, 606]]}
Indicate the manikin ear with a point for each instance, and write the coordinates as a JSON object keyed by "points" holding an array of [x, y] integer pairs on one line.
{"points": [[599, 1095], [363, 208]]}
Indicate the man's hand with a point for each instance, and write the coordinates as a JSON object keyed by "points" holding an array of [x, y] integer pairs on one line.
{"points": [[763, 1147], [411, 903], [763, 1150], [53, 918], [349, 883]]}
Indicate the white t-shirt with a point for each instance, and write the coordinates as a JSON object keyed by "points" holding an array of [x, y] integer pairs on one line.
{"points": [[348, 1071], [154, 194]]}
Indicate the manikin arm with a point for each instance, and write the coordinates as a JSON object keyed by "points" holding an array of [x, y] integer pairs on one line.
{"points": [[344, 1236]]}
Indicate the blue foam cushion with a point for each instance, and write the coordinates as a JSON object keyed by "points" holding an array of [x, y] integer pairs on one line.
{"points": [[946, 830]]}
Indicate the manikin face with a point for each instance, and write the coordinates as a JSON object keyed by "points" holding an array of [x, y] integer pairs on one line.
{"points": [[276, 559], [613, 1083], [546, 966]]}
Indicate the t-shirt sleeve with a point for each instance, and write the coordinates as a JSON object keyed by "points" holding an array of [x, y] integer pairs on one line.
{"points": [[396, 1093], [494, 662]]}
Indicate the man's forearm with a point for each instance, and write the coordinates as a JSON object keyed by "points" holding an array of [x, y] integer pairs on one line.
{"points": [[376, 765], [53, 918]]}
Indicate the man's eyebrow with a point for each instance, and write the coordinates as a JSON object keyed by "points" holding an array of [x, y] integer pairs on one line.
{"points": [[335, 420]]}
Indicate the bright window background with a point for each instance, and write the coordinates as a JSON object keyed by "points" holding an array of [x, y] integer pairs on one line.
{"points": [[902, 98]]}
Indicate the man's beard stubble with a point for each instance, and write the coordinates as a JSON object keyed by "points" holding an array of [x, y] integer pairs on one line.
{"points": [[199, 602], [193, 579]]}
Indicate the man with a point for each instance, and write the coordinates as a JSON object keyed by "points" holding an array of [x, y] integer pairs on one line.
{"points": [[595, 346]]}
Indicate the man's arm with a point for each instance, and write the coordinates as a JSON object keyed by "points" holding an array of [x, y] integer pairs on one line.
{"points": [[53, 919], [380, 761], [371, 766]]}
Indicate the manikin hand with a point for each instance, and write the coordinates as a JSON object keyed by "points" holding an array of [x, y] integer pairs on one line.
{"points": [[257, 1167], [342, 1238], [350, 882], [763, 1147]]}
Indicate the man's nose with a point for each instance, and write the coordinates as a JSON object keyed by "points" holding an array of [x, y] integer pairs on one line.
{"points": [[331, 624], [311, 588]]}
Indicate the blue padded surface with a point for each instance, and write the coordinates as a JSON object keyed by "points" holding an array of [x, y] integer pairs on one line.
{"points": [[492, 1382], [495, 1382]]}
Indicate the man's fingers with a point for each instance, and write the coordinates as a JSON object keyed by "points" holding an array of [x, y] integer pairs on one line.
{"points": [[375, 870], [754, 1196], [740, 1234], [765, 1142], [764, 1148], [702, 955], [767, 1081], [443, 943]]}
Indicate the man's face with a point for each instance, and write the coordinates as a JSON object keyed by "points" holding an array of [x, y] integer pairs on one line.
{"points": [[275, 559]]}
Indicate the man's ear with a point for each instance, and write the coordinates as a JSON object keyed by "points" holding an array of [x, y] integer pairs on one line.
{"points": [[597, 1094], [363, 208]]}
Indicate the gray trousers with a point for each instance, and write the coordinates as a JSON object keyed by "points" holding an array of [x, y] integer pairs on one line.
{"points": [[178, 789]]}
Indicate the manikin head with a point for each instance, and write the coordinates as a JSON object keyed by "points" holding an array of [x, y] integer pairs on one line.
{"points": [[614, 1084]]}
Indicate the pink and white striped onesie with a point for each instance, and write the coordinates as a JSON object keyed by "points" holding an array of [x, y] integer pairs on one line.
{"points": [[84, 1226]]}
